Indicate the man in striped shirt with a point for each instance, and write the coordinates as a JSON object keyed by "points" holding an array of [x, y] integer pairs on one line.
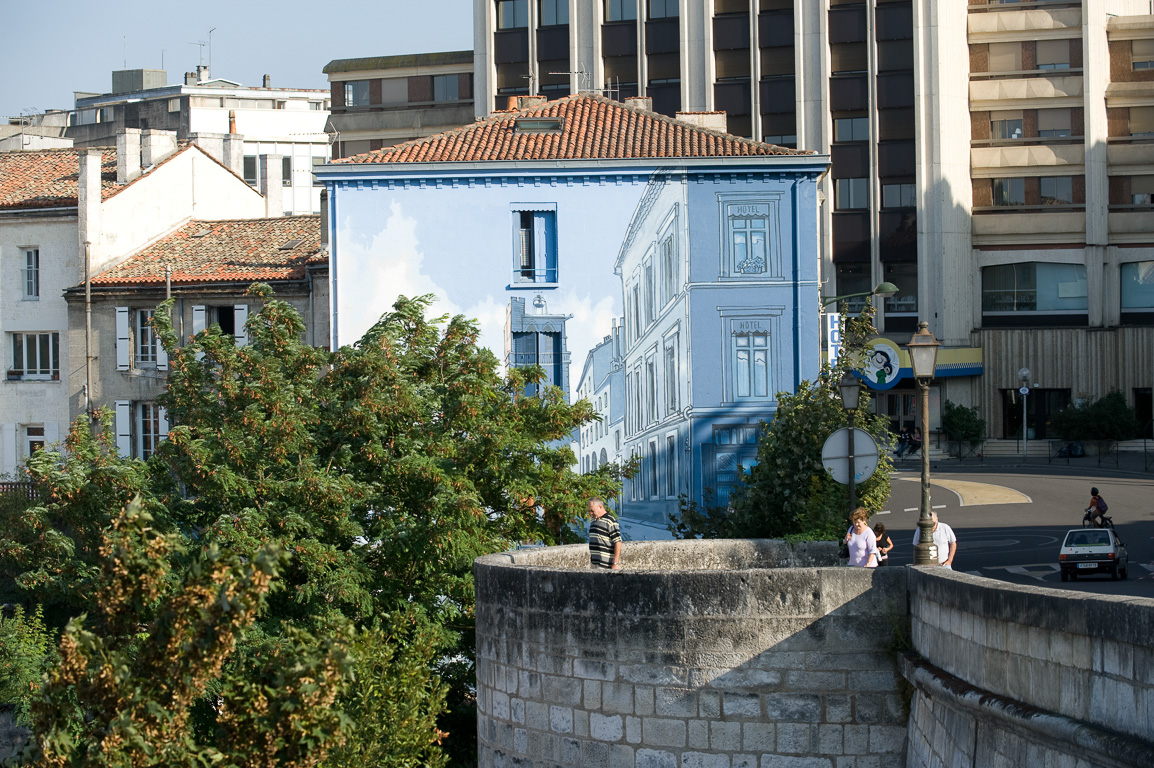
{"points": [[604, 537]]}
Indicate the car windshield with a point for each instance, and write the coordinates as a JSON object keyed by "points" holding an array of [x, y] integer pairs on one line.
{"points": [[1088, 539]]}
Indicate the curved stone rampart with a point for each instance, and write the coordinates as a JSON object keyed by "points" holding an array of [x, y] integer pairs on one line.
{"points": [[719, 654], [1019, 675]]}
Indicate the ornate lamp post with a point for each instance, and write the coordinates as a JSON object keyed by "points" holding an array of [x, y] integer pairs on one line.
{"points": [[923, 349], [850, 389]]}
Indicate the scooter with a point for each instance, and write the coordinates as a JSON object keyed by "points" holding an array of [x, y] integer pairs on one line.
{"points": [[1095, 519]]}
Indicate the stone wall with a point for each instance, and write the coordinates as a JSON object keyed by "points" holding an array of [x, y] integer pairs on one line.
{"points": [[1015, 675], [720, 654]]}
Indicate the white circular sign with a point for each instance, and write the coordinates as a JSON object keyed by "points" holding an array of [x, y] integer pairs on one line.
{"points": [[1024, 391], [835, 455]]}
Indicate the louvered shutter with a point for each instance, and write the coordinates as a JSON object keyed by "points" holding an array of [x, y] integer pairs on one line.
{"points": [[162, 414], [161, 354], [240, 318], [8, 452], [124, 428], [123, 340], [198, 319], [51, 433]]}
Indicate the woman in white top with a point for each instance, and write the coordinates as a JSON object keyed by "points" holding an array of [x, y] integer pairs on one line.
{"points": [[863, 545]]}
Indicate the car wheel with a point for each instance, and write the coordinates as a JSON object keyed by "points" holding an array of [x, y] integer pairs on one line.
{"points": [[1065, 575]]}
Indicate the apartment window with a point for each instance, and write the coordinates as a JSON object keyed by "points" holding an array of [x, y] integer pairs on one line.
{"points": [[34, 438], [1054, 123], [904, 303], [35, 357], [1057, 190], [620, 10], [1141, 190], [1053, 54], [286, 171], [1006, 124], [145, 337], [1142, 54], [750, 365], [899, 196], [853, 277], [32, 273], [671, 376], [663, 9], [1007, 192], [650, 294], [748, 229], [851, 129], [650, 390], [174, 105], [151, 428], [554, 13], [357, 93], [851, 194], [1142, 122], [512, 14], [1138, 286], [670, 466], [1005, 57], [651, 470], [535, 245], [252, 170], [230, 319], [1034, 287], [668, 269], [445, 87]]}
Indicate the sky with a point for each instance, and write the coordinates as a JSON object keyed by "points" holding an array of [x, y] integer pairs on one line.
{"points": [[55, 48]]}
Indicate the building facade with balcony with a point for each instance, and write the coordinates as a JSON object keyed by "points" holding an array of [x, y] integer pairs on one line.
{"points": [[380, 101]]}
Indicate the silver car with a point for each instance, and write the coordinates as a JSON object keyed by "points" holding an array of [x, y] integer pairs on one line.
{"points": [[1092, 550]]}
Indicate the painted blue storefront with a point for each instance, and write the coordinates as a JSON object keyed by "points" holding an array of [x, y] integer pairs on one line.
{"points": [[701, 272]]}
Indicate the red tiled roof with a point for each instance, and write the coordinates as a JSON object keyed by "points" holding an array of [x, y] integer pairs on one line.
{"points": [[593, 127], [227, 251], [49, 178]]}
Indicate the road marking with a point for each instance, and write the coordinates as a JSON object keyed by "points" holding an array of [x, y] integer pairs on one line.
{"points": [[884, 511], [936, 506], [971, 494], [1037, 571], [907, 509]]}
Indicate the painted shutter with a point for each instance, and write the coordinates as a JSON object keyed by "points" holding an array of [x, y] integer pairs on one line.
{"points": [[545, 242], [239, 319], [198, 319], [199, 315], [162, 413], [161, 354], [123, 340], [51, 433], [8, 452], [124, 428]]}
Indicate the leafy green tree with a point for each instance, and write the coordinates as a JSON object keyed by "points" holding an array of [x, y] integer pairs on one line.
{"points": [[788, 492], [131, 670], [26, 653], [1109, 418], [963, 424]]}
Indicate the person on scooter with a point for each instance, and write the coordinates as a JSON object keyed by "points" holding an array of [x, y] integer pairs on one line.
{"points": [[1096, 511]]}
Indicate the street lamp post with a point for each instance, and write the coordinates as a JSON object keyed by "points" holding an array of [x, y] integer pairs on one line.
{"points": [[923, 349], [850, 389], [1024, 377]]}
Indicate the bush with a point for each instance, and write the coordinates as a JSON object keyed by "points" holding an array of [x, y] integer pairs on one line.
{"points": [[1109, 418], [26, 653], [963, 424]]}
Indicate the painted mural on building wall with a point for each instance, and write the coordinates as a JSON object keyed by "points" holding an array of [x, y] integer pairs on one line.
{"points": [[677, 301]]}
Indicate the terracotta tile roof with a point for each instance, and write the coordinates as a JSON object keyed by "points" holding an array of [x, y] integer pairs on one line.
{"points": [[593, 127], [225, 251], [49, 178]]}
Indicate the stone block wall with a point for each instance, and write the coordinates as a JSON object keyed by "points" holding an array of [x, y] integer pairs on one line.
{"points": [[720, 654], [1017, 675]]}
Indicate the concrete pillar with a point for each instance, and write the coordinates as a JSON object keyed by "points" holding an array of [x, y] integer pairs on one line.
{"points": [[272, 185], [156, 146], [1095, 78], [233, 154], [88, 200], [212, 143], [127, 155], [484, 68]]}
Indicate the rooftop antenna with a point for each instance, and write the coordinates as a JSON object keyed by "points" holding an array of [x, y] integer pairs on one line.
{"points": [[201, 43], [162, 50], [210, 50], [584, 78], [532, 83], [124, 49]]}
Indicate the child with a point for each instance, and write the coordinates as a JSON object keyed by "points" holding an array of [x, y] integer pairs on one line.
{"points": [[885, 543]]}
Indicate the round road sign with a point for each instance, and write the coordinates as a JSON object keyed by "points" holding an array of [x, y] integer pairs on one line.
{"points": [[835, 455]]}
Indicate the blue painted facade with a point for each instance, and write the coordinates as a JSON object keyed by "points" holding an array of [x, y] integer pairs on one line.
{"points": [[686, 290]]}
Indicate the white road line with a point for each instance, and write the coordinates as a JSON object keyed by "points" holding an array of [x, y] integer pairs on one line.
{"points": [[907, 509], [884, 511], [936, 506]]}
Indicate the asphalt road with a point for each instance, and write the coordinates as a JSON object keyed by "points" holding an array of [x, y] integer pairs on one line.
{"points": [[1010, 522]]}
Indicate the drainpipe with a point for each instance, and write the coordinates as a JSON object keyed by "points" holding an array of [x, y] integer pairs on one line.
{"points": [[312, 314], [87, 329], [167, 282]]}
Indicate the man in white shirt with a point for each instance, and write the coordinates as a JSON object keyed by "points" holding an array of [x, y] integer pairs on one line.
{"points": [[944, 538]]}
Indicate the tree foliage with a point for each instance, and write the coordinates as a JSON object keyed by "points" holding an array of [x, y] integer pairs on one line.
{"points": [[380, 470], [26, 653], [963, 424], [788, 492], [1109, 418]]}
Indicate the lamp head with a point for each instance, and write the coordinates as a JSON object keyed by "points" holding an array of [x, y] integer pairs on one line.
{"points": [[1024, 375], [850, 389], [885, 290], [923, 349]]}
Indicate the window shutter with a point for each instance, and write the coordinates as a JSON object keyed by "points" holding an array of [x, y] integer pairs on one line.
{"points": [[198, 319], [8, 452], [161, 355], [51, 433], [240, 318], [123, 340], [124, 428], [162, 414]]}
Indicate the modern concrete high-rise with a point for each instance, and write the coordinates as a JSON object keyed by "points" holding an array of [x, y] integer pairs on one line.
{"points": [[993, 159]]}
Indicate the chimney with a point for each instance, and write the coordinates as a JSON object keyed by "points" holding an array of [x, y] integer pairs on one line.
{"points": [[88, 204], [212, 143], [233, 154], [640, 102], [190, 78], [201, 73], [232, 119], [524, 102], [715, 121], [127, 155], [155, 146], [267, 81], [272, 185]]}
